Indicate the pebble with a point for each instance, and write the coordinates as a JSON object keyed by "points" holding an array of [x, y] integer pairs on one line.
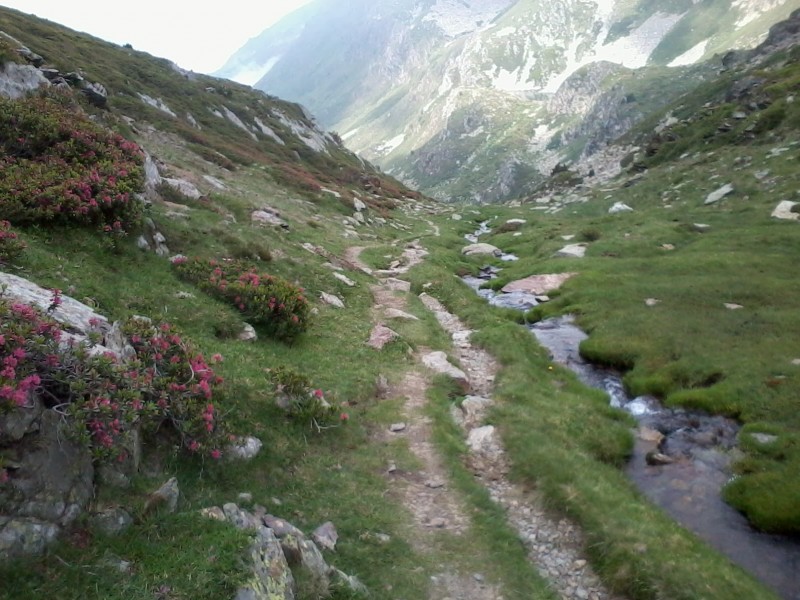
{"points": [[397, 427]]}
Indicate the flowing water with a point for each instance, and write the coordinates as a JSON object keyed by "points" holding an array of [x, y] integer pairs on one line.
{"points": [[681, 459]]}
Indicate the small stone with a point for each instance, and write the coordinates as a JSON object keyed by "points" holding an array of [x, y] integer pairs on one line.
{"points": [[111, 522], [619, 207], [652, 301], [785, 211], [245, 497], [344, 279], [183, 295], [244, 448], [733, 306], [395, 313], [667, 247], [380, 336], [796, 362], [392, 468], [579, 564], [764, 438], [214, 513], [434, 484], [397, 427], [397, 285], [658, 459], [383, 538], [167, 496], [478, 577], [701, 227], [437, 523]]}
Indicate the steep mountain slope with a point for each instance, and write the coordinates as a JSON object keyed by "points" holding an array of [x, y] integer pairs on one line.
{"points": [[418, 86]]}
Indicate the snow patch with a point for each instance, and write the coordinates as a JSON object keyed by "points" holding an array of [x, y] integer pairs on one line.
{"points": [[691, 56], [632, 51], [457, 17], [389, 146]]}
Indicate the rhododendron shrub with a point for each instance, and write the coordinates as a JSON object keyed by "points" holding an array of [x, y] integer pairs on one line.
{"points": [[166, 384], [10, 244], [57, 165], [303, 402], [281, 307]]}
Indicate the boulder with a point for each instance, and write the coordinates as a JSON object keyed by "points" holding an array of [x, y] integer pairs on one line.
{"points": [[271, 578], [187, 188], [50, 485], [268, 216], [719, 194], [785, 211], [17, 80], [96, 94], [538, 284], [326, 536], [480, 249]]}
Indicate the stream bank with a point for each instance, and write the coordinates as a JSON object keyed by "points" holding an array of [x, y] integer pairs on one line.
{"points": [[681, 459]]}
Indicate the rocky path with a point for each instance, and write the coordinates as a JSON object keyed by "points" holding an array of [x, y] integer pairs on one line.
{"points": [[554, 544]]}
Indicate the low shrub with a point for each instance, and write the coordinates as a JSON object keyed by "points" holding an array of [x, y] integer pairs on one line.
{"points": [[303, 402], [279, 306], [11, 246], [57, 165], [166, 382]]}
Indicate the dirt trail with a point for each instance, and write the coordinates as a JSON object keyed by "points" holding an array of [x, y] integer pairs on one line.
{"points": [[554, 544]]}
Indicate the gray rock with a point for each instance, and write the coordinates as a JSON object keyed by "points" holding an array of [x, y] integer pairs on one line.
{"points": [[344, 279], [112, 521], [271, 577], [472, 411], [572, 251], [20, 421], [701, 227], [244, 448], [350, 582], [719, 194], [397, 427], [186, 188], [359, 205], [397, 285], [76, 315], [96, 94], [167, 496], [248, 333], [326, 536], [538, 284], [25, 537], [17, 80], [282, 528], [331, 300], [380, 336], [480, 249], [268, 216], [437, 362], [395, 313], [785, 211]]}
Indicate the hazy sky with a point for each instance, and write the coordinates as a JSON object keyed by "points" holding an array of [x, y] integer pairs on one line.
{"points": [[200, 39]]}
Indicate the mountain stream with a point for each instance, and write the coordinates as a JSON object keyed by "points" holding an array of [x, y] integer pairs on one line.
{"points": [[681, 459]]}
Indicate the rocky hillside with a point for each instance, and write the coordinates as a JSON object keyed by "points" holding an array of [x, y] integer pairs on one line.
{"points": [[475, 101]]}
